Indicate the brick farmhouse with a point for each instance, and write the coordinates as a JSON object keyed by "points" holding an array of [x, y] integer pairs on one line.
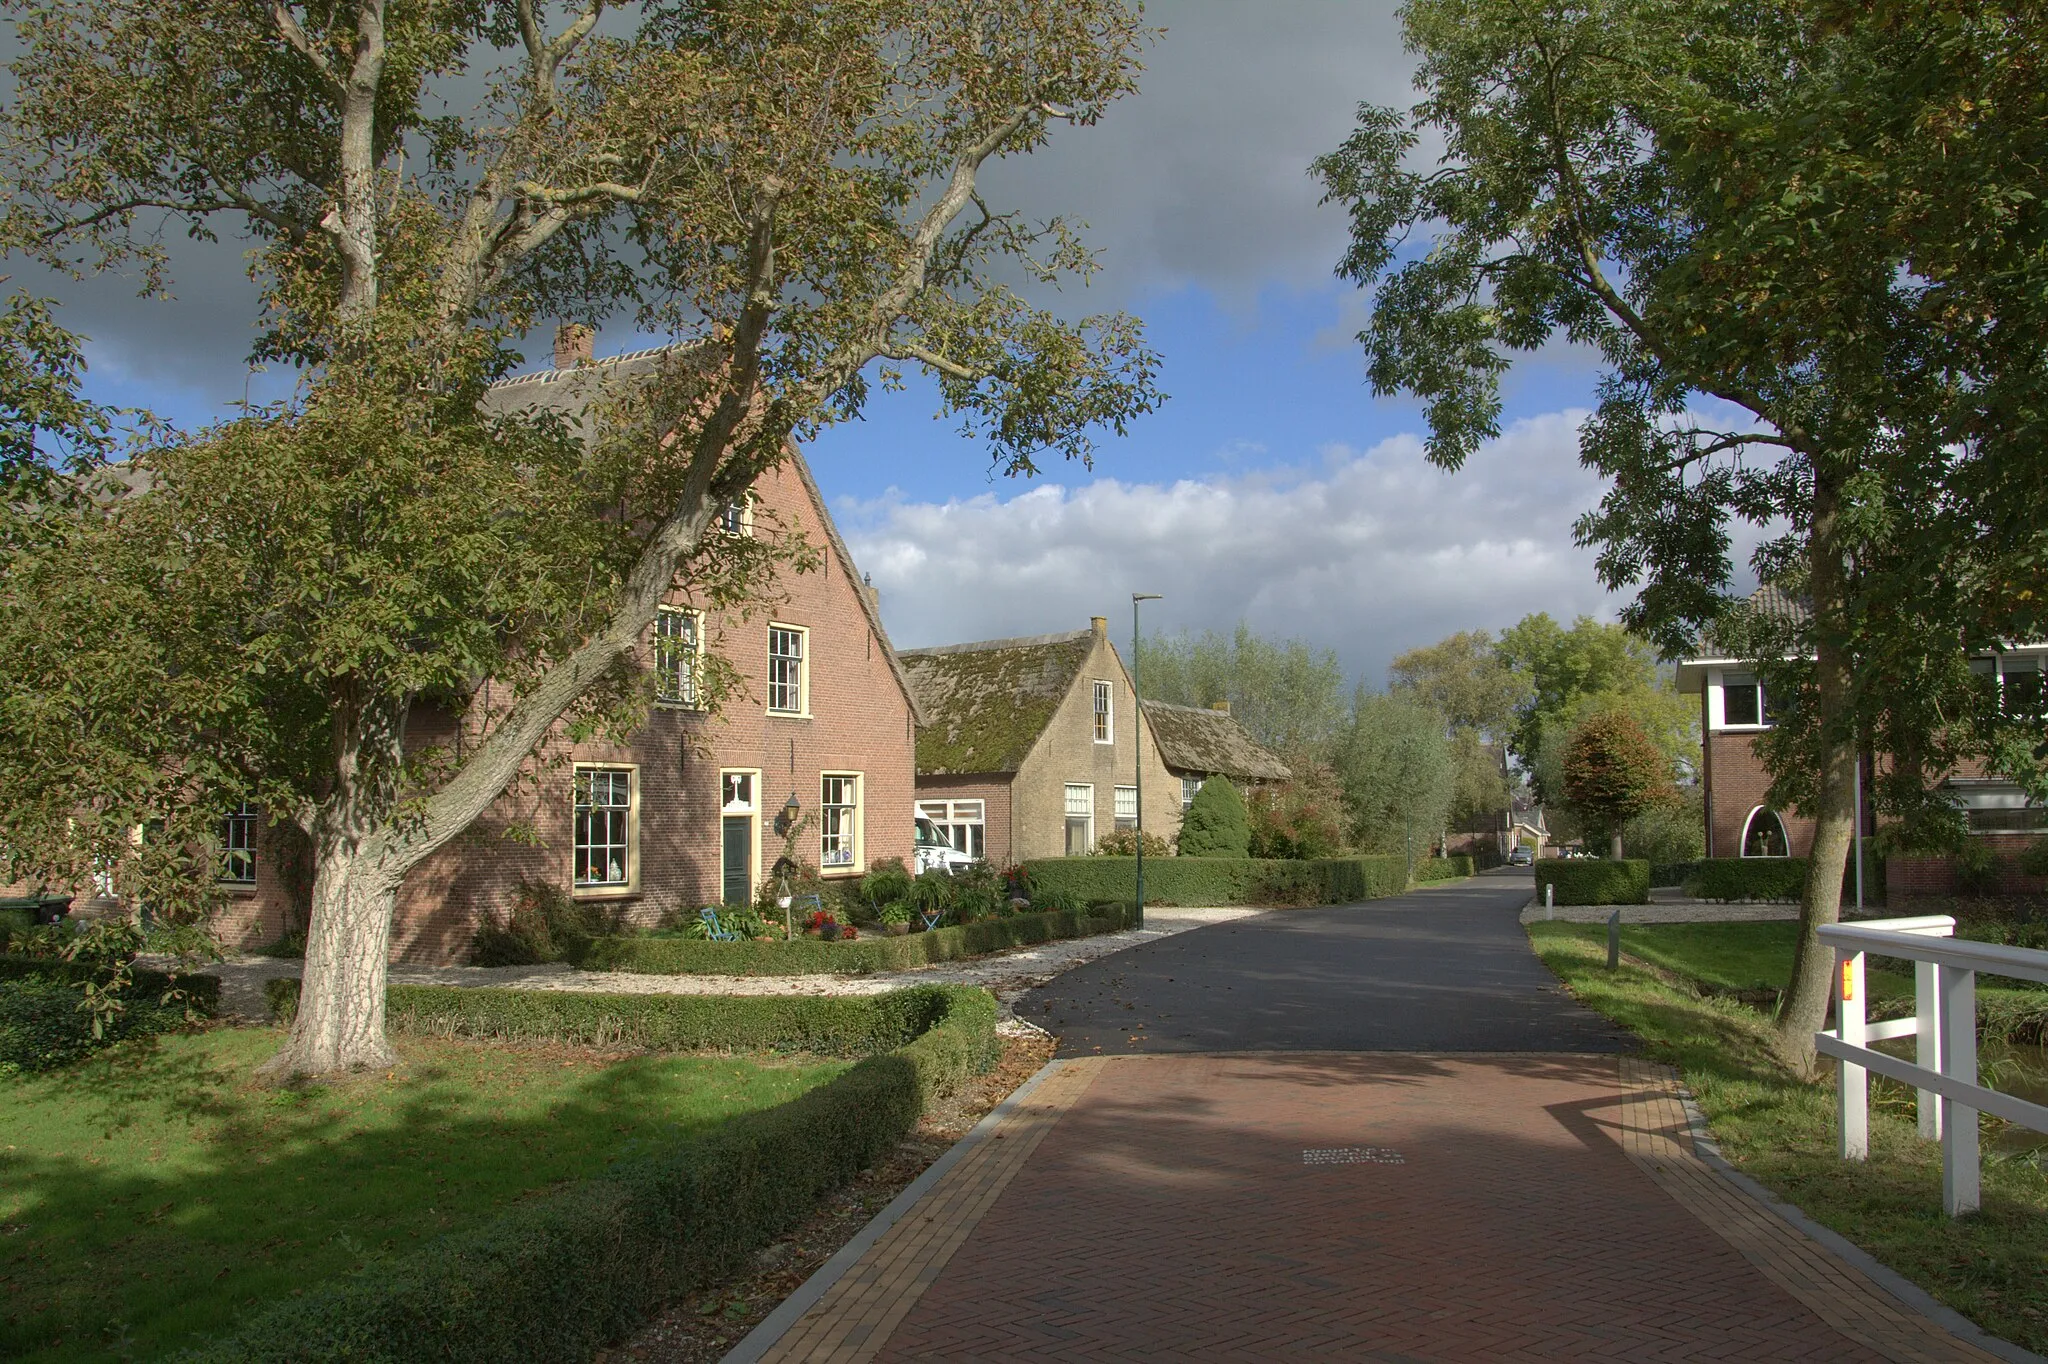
{"points": [[689, 810], [1735, 709]]}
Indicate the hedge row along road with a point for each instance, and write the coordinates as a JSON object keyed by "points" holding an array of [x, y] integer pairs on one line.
{"points": [[1440, 969]]}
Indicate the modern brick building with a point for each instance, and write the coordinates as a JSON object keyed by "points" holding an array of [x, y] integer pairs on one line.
{"points": [[1735, 708], [1030, 747], [690, 809]]}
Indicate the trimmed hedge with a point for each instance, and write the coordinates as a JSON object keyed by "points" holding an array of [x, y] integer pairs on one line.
{"points": [[1443, 868], [827, 1025], [561, 1274], [863, 956], [1751, 878], [13, 921], [1671, 873], [1223, 880], [1595, 881], [150, 984]]}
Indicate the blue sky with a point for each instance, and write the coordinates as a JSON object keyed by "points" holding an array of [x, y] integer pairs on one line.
{"points": [[1272, 486]]}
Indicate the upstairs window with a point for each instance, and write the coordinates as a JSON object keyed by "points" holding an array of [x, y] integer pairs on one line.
{"points": [[1742, 702], [677, 641], [2020, 689], [737, 518], [786, 680], [1188, 787], [238, 846], [1104, 722]]}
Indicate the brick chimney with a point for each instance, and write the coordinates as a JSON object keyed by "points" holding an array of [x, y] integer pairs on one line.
{"points": [[1223, 706], [572, 345], [1100, 625]]}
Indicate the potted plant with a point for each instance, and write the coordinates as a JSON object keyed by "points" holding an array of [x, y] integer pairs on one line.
{"points": [[894, 918]]}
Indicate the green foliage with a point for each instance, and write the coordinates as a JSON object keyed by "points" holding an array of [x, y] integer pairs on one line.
{"points": [[2034, 861], [1444, 868], [1669, 831], [1055, 900], [1207, 881], [1217, 823], [1746, 878], [865, 955], [1288, 695], [1124, 843], [1594, 881], [1612, 772], [1399, 774], [882, 887], [44, 1023], [1466, 679], [544, 924], [13, 921], [559, 1275], [1976, 868], [1570, 674], [1302, 818]]}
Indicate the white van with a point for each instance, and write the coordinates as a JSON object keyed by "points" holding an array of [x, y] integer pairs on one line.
{"points": [[934, 853]]}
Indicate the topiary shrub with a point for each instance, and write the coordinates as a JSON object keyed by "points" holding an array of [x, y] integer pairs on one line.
{"points": [[1595, 881], [1124, 843], [1217, 824], [1748, 878]]}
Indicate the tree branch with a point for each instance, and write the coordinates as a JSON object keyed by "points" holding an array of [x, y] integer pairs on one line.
{"points": [[897, 350], [296, 39]]}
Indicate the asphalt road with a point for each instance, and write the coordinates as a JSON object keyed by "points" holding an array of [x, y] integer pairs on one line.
{"points": [[1442, 969]]}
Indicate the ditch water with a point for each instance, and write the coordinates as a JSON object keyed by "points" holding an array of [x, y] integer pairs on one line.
{"points": [[2018, 1069]]}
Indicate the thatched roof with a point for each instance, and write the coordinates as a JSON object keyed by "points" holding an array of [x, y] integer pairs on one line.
{"points": [[1204, 741], [986, 704]]}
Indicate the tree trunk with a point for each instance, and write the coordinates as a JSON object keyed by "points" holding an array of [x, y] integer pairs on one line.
{"points": [[1805, 1005], [1614, 845], [340, 1023]]}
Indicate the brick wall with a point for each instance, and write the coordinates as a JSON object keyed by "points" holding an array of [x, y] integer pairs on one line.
{"points": [[1736, 784], [993, 790], [1905, 877]]}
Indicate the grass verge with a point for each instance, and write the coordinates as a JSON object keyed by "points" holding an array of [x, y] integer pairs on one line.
{"points": [[1678, 989], [152, 1194]]}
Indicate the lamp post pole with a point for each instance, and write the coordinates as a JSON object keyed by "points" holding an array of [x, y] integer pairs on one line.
{"points": [[1138, 748]]}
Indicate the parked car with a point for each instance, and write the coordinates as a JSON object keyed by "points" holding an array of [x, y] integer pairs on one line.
{"points": [[1521, 855], [935, 853]]}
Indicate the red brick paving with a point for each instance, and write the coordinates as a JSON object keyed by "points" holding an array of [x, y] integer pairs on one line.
{"points": [[1169, 1215]]}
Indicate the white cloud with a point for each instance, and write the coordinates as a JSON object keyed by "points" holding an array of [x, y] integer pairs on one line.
{"points": [[1371, 553]]}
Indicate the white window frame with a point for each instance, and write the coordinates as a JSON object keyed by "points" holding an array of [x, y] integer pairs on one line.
{"points": [[1105, 712], [737, 517], [1742, 845], [678, 681], [840, 823], [238, 847], [803, 669], [1079, 804], [1126, 807], [580, 847], [1722, 683], [1188, 787], [963, 823]]}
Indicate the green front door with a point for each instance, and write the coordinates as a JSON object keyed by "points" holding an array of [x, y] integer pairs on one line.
{"points": [[739, 859]]}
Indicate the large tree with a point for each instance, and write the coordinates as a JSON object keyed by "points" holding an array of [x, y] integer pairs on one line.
{"points": [[1612, 772], [1288, 694], [1467, 681], [795, 190], [1399, 773], [1582, 192]]}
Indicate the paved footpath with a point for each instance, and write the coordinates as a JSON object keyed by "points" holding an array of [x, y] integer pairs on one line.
{"points": [[1207, 1187]]}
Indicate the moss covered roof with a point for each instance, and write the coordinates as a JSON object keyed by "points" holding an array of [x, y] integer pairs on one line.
{"points": [[1205, 741], [985, 704]]}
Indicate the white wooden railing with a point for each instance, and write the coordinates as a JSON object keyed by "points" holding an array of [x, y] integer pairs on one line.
{"points": [[1944, 1028]]}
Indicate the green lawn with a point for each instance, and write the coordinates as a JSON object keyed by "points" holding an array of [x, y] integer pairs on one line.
{"points": [[1993, 1266], [151, 1195]]}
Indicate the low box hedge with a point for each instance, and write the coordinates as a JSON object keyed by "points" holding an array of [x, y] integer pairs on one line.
{"points": [[563, 1273], [863, 956], [1595, 881], [1750, 878], [1443, 868], [150, 984], [827, 1025], [1223, 880]]}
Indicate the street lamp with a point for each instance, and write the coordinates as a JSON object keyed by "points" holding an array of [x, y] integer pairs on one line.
{"points": [[1138, 747]]}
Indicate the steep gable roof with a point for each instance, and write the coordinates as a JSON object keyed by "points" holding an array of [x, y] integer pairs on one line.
{"points": [[569, 393], [1192, 739], [985, 704]]}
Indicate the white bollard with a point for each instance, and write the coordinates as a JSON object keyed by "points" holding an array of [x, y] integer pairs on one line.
{"points": [[1549, 900]]}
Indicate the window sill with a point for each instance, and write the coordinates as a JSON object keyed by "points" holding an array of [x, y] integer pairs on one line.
{"points": [[236, 887], [837, 873], [789, 715], [679, 707], [626, 891], [1742, 729]]}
